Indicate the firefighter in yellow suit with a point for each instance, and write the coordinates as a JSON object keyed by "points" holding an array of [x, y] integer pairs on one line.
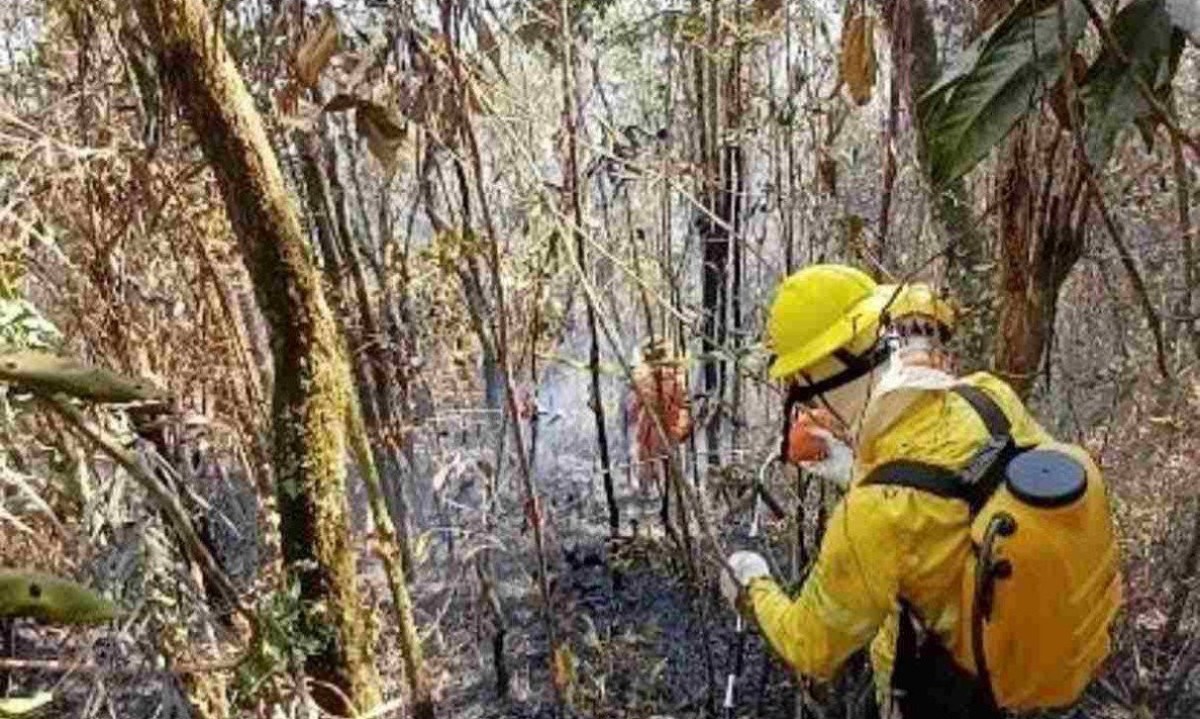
{"points": [[871, 356]]}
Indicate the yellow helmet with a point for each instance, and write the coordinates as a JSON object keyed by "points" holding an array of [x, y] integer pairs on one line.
{"points": [[808, 317], [828, 311], [896, 304]]}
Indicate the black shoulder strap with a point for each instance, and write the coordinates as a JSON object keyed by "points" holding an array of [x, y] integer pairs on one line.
{"points": [[918, 475], [997, 423], [979, 479]]}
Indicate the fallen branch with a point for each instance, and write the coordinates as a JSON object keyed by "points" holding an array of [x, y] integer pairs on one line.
{"points": [[71, 667], [60, 666]]}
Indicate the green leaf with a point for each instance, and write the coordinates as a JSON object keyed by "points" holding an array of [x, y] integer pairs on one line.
{"points": [[1147, 122], [21, 325], [50, 599], [21, 706], [966, 60], [49, 373], [1111, 99], [998, 80]]}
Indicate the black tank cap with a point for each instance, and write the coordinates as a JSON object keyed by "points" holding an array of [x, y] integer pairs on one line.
{"points": [[1046, 478]]}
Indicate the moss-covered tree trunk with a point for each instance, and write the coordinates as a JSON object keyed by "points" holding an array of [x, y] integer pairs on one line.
{"points": [[311, 389]]}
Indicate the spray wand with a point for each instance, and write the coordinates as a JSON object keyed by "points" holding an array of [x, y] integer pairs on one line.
{"points": [[760, 497]]}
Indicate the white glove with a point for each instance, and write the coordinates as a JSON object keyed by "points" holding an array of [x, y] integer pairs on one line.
{"points": [[838, 465], [747, 566]]}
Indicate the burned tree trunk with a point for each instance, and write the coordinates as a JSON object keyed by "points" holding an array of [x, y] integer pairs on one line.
{"points": [[573, 205], [1022, 326], [1041, 239], [311, 390], [715, 225]]}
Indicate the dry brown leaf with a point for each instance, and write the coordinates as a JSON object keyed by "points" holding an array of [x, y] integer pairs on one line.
{"points": [[766, 9], [318, 48], [564, 671], [489, 46], [383, 131], [857, 62], [827, 173], [341, 102]]}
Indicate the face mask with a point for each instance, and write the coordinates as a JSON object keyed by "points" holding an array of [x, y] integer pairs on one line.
{"points": [[825, 450], [838, 465]]}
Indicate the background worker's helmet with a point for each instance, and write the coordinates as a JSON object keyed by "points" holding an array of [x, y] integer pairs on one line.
{"points": [[828, 312], [655, 350], [911, 305]]}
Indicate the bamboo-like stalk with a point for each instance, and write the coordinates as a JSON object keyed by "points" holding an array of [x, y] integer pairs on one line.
{"points": [[737, 192], [388, 547], [383, 416], [901, 39], [499, 322], [789, 206], [718, 192]]}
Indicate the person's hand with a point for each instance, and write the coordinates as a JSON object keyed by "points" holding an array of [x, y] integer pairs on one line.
{"points": [[746, 566]]}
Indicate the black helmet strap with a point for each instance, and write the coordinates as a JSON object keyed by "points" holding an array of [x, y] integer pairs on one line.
{"points": [[856, 366]]}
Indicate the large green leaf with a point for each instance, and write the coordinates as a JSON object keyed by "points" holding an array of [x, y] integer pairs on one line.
{"points": [[24, 706], [997, 81], [50, 599], [1111, 98], [1147, 121]]}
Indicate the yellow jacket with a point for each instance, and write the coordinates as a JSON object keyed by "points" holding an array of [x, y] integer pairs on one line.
{"points": [[885, 542]]}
